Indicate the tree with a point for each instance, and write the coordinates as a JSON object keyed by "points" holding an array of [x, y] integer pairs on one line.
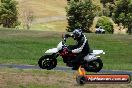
{"points": [[27, 14], [8, 13], [107, 1], [80, 15], [108, 6], [28, 18], [123, 13]]}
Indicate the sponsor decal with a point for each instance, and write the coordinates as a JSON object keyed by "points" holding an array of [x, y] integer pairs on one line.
{"points": [[82, 78]]}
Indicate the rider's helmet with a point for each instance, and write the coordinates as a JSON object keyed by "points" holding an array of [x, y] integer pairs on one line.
{"points": [[77, 33]]}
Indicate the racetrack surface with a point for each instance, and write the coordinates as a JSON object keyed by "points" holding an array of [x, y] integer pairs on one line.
{"points": [[62, 68]]}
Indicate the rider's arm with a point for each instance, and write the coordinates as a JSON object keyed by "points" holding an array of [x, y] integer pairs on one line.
{"points": [[68, 35], [78, 50]]}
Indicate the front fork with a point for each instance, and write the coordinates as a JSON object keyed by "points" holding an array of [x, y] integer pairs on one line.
{"points": [[55, 55]]}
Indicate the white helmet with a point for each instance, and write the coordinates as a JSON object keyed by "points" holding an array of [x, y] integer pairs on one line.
{"points": [[77, 33]]}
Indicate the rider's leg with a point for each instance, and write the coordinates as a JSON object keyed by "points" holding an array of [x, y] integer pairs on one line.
{"points": [[77, 61]]}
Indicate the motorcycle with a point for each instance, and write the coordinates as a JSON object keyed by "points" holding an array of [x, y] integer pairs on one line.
{"points": [[91, 63]]}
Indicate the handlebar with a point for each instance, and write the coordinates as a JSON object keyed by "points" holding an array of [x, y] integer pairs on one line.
{"points": [[63, 43], [64, 40]]}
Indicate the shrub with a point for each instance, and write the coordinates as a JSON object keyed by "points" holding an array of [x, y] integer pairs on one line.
{"points": [[105, 23]]}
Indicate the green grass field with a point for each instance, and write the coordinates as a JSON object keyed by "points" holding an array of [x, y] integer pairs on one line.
{"points": [[26, 47], [59, 26]]}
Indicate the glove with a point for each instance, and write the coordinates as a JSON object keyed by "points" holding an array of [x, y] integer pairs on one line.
{"points": [[67, 35], [64, 39]]}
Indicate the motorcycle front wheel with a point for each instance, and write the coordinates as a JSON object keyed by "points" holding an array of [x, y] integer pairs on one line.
{"points": [[47, 62]]}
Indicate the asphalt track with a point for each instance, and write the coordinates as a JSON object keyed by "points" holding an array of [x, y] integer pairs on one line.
{"points": [[62, 68]]}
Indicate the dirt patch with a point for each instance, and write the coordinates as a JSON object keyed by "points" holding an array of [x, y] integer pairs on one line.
{"points": [[47, 78], [26, 78], [44, 8]]}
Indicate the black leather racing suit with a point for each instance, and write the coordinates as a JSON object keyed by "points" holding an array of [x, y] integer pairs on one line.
{"points": [[81, 48]]}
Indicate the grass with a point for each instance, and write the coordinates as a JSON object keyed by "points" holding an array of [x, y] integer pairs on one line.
{"points": [[26, 47], [44, 8], [18, 78], [51, 26], [41, 9], [118, 50]]}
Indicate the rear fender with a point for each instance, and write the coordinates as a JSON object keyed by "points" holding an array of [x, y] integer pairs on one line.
{"points": [[89, 58]]}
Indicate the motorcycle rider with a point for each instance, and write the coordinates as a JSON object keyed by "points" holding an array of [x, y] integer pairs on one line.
{"points": [[81, 48]]}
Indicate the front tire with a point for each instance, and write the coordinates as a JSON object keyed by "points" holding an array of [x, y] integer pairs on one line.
{"points": [[47, 62]]}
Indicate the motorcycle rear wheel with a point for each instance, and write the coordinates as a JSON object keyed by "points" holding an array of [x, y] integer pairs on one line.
{"points": [[47, 62], [94, 66]]}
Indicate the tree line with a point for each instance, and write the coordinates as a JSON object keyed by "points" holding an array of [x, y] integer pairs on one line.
{"points": [[80, 13]]}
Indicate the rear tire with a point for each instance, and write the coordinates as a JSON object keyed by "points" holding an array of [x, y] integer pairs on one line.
{"points": [[100, 65], [47, 62], [94, 66]]}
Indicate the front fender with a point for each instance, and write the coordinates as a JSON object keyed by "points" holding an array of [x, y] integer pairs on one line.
{"points": [[51, 51]]}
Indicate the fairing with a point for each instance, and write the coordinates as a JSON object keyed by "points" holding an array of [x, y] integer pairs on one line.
{"points": [[51, 51], [92, 56]]}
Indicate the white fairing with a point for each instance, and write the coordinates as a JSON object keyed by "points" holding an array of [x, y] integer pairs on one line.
{"points": [[59, 46], [92, 56], [55, 50], [51, 51]]}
